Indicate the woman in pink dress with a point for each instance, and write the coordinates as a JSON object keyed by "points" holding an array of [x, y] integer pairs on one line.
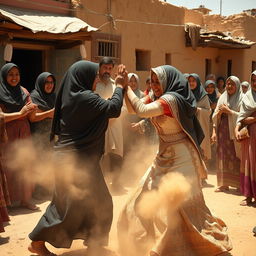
{"points": [[13, 97], [4, 195], [247, 116], [228, 149]]}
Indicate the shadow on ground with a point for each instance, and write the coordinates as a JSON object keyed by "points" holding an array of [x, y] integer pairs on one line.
{"points": [[85, 252]]}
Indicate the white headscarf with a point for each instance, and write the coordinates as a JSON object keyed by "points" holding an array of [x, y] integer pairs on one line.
{"points": [[137, 91], [246, 84], [130, 75], [248, 105], [233, 102]]}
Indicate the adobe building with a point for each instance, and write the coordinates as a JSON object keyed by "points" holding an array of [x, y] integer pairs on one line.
{"points": [[141, 34], [147, 33]]}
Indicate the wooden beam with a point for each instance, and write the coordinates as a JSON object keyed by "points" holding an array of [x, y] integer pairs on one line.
{"points": [[47, 36], [10, 25], [31, 46]]}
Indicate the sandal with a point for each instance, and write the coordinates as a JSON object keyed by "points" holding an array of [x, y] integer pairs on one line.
{"points": [[221, 189], [246, 202]]}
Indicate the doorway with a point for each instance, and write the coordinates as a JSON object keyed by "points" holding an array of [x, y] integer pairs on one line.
{"points": [[30, 63]]}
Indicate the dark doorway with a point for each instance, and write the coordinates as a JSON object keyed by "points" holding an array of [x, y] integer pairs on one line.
{"points": [[30, 63]]}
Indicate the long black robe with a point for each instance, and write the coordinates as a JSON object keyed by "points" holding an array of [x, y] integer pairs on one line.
{"points": [[82, 205]]}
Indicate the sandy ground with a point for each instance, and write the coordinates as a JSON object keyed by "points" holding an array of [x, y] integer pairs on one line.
{"points": [[240, 221]]}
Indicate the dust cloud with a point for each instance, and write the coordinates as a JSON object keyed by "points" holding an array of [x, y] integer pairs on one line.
{"points": [[40, 166], [172, 193]]}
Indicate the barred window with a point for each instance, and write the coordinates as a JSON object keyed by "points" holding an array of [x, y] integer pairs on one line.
{"points": [[107, 48], [106, 45]]}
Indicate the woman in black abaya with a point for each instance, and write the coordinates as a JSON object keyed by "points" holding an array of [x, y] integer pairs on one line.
{"points": [[81, 207]]}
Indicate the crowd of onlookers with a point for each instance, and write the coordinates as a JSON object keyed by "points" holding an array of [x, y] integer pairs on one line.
{"points": [[226, 110]]}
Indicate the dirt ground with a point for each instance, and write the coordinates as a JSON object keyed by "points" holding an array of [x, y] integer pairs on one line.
{"points": [[239, 219]]}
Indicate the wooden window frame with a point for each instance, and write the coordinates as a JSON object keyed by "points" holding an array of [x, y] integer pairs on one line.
{"points": [[98, 38]]}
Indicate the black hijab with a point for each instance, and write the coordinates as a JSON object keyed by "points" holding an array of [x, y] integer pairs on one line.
{"points": [[78, 119], [223, 79], [12, 97], [45, 101], [178, 86], [199, 92], [212, 97]]}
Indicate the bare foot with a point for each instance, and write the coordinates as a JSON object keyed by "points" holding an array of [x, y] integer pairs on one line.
{"points": [[39, 248], [29, 206]]}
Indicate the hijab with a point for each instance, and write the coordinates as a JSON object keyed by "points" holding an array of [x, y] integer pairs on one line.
{"points": [[186, 75], [232, 101], [199, 92], [80, 118], [12, 97], [175, 84], [248, 103], [221, 78], [44, 100], [137, 91], [212, 97], [224, 85], [210, 77], [246, 84]]}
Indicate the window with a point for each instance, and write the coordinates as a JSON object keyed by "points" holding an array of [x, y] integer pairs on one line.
{"points": [[143, 60], [229, 68], [208, 67], [168, 59], [253, 65], [107, 48], [106, 45]]}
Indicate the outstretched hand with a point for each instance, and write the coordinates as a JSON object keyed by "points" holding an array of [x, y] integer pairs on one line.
{"points": [[122, 76]]}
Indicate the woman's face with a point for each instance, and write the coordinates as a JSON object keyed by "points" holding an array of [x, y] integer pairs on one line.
{"points": [[148, 85], [220, 85], [156, 86], [13, 76], [245, 88], [253, 82], [231, 87], [192, 82], [210, 88], [133, 83], [49, 84]]}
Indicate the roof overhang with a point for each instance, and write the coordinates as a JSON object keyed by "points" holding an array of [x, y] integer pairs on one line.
{"points": [[197, 37], [58, 31]]}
